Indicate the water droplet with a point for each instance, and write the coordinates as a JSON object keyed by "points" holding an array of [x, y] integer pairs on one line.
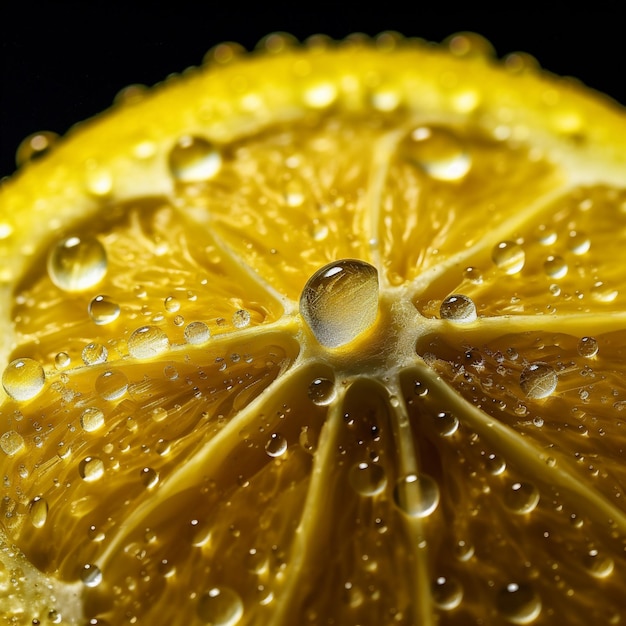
{"points": [[241, 318], [447, 593], [322, 391], [194, 160], [521, 498], [76, 264], [509, 257], [578, 242], [420, 389], [294, 193], [367, 479], [94, 353], [147, 342], [61, 360], [111, 385], [103, 310], [91, 419], [172, 304], [220, 606], [555, 267], [446, 424], [38, 512], [197, 333], [98, 180], [35, 146], [495, 465], [91, 468], [308, 439], [474, 275], [416, 496], [458, 308], [519, 604], [601, 292], [598, 565], [11, 443], [23, 379], [91, 575], [276, 445], [340, 301], [149, 477], [320, 231], [438, 152], [588, 347], [538, 380], [545, 235]]}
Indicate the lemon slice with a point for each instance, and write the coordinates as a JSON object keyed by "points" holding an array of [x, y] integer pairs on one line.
{"points": [[330, 334]]}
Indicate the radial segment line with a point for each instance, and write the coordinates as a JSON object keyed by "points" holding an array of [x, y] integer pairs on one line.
{"points": [[209, 454], [528, 456]]}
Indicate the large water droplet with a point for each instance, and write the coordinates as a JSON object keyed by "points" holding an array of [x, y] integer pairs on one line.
{"points": [[220, 606], [193, 160], [519, 604], [91, 468], [91, 575], [197, 333], [23, 379], [367, 479], [276, 445], [438, 152], [11, 443], [91, 419], [458, 308], [111, 385], [538, 380], [416, 496], [521, 498], [103, 310], [147, 342], [447, 593], [322, 391], [509, 257], [76, 264], [588, 347], [38, 512], [340, 301]]}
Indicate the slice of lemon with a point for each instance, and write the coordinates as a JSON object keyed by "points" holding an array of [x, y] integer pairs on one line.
{"points": [[331, 334]]}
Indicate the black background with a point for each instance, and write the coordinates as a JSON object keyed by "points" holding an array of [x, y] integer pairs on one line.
{"points": [[61, 62]]}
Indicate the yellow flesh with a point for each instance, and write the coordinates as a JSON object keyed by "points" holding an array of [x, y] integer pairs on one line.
{"points": [[214, 469]]}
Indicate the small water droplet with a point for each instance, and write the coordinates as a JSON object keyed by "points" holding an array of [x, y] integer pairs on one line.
{"points": [[194, 160], [23, 379], [91, 575], [445, 423], [555, 267], [76, 264], [545, 235], [111, 385], [149, 477], [94, 353], [600, 292], [221, 606], [437, 151], [91, 468], [598, 565], [294, 193], [171, 304], [495, 465], [241, 318], [538, 380], [509, 257], [420, 389], [91, 419], [35, 146], [197, 333], [320, 231], [103, 310], [474, 275], [11, 443], [519, 604], [276, 445], [308, 439], [458, 308], [521, 498], [340, 301], [578, 242], [367, 479], [447, 593], [61, 360], [416, 496], [38, 512], [322, 391], [98, 180], [588, 347], [147, 342]]}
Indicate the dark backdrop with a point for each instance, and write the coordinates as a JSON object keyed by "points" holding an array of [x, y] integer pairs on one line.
{"points": [[61, 62]]}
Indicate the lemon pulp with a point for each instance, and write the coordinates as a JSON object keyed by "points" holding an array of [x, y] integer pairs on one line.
{"points": [[338, 341]]}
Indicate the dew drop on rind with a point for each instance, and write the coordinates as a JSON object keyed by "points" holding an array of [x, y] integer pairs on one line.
{"points": [[555, 267], [91, 575], [538, 380], [103, 310], [588, 347], [94, 353], [91, 469], [147, 342], [221, 606], [38, 512], [438, 152], [91, 419], [111, 385], [197, 333], [276, 445], [194, 160], [458, 308], [340, 301], [11, 443], [367, 479], [23, 379], [416, 496], [447, 593], [521, 498], [518, 604], [76, 264], [241, 318], [321, 391], [509, 257]]}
